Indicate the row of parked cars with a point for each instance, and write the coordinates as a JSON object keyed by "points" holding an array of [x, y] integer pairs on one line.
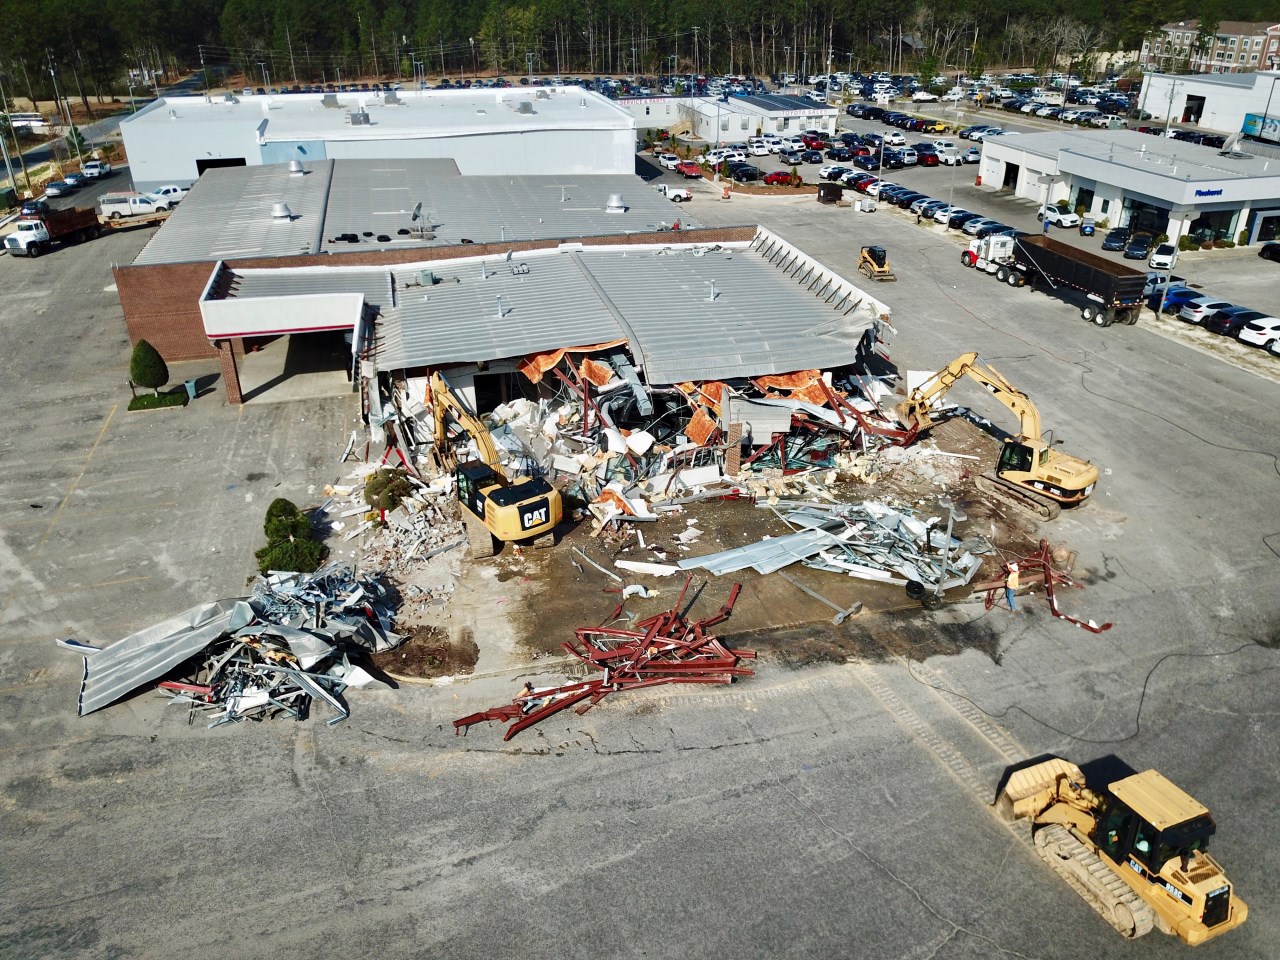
{"points": [[1255, 327]]}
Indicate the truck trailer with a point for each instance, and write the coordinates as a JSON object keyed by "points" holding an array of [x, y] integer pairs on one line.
{"points": [[1106, 292]]}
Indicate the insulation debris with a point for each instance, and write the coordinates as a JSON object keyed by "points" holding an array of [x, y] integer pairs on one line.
{"points": [[270, 654], [665, 648]]}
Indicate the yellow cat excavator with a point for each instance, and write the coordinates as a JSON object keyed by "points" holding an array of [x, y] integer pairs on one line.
{"points": [[1135, 849], [492, 505], [1030, 472]]}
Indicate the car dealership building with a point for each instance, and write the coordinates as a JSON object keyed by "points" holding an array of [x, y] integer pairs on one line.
{"points": [[1149, 183]]}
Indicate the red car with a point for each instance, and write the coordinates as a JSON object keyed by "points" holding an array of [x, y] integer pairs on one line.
{"points": [[927, 159], [861, 150], [782, 177], [689, 169], [815, 143]]}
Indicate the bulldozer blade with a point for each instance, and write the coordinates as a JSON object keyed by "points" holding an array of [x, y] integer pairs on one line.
{"points": [[1031, 789]]}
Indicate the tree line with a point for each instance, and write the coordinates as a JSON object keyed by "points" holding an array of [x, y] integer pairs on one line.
{"points": [[92, 50]]}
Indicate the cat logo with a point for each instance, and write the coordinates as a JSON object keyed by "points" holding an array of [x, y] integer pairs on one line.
{"points": [[534, 514]]}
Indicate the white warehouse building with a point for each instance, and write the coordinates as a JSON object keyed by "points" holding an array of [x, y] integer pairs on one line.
{"points": [[1217, 102], [1149, 183], [515, 131], [736, 118]]}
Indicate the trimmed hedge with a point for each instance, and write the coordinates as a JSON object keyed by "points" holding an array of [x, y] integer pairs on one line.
{"points": [[154, 401]]}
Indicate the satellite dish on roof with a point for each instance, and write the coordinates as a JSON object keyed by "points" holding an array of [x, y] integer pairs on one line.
{"points": [[417, 212], [1231, 148]]}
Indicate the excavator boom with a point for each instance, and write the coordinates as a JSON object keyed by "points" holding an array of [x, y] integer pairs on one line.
{"points": [[444, 402], [916, 410]]}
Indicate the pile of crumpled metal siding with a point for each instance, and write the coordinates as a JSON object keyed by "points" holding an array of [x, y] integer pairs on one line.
{"points": [[270, 654], [868, 540]]}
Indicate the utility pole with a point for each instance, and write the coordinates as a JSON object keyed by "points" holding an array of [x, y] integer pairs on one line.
{"points": [[73, 134], [826, 90], [528, 66], [442, 74], [293, 67], [17, 148], [203, 69], [695, 51]]}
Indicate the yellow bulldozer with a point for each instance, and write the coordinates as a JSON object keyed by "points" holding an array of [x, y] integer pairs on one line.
{"points": [[1030, 473], [1135, 849], [527, 508]]}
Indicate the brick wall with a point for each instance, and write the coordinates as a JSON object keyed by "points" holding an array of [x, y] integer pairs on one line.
{"points": [[161, 302], [162, 306]]}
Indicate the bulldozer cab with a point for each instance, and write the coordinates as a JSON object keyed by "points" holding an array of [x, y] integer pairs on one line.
{"points": [[1148, 819]]}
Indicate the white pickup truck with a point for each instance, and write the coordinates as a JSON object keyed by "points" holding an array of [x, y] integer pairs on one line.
{"points": [[93, 169], [675, 194]]}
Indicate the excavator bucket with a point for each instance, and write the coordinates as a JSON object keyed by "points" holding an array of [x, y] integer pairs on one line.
{"points": [[1029, 791]]}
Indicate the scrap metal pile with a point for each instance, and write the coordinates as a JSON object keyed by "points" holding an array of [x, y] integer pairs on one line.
{"points": [[665, 648], [631, 450], [267, 655]]}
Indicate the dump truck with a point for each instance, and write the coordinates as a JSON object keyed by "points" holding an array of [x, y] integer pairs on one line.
{"points": [[1106, 292], [37, 233], [1135, 849]]}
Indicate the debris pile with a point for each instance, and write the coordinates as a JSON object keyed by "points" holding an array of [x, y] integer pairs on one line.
{"points": [[630, 451], [867, 540], [665, 648], [267, 655]]}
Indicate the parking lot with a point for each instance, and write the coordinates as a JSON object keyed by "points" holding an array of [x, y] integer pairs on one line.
{"points": [[824, 811]]}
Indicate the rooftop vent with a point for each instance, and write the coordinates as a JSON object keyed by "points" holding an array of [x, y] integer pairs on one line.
{"points": [[389, 97], [281, 211], [229, 97], [542, 95], [359, 118], [525, 107], [329, 101], [173, 114], [295, 168], [615, 204]]}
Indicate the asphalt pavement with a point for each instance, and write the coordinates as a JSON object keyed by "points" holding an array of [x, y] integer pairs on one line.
{"points": [[824, 811]]}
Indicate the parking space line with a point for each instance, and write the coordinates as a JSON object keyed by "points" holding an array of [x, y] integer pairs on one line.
{"points": [[53, 522]]}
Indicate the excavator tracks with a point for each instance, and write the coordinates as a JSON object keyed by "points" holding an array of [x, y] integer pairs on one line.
{"points": [[1042, 507], [1096, 883]]}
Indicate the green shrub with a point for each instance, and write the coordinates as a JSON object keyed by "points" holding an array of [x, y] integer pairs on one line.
{"points": [[301, 556], [1163, 238], [1104, 223], [1229, 244], [147, 368], [385, 489], [1186, 243], [1079, 209], [290, 544], [1063, 205], [1243, 238], [155, 401]]}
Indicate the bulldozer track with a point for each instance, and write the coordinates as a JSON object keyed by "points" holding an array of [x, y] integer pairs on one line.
{"points": [[954, 697], [1097, 884], [1042, 507]]}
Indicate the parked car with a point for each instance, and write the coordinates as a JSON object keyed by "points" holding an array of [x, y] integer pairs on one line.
{"points": [[1202, 308], [839, 153], [968, 132], [894, 139], [931, 210], [1175, 297], [1116, 239], [1138, 247], [892, 160], [1261, 332], [778, 177], [1231, 320], [973, 226], [923, 96], [832, 171], [689, 169], [76, 179], [867, 163], [1162, 257], [1088, 226], [972, 155], [927, 160], [57, 188], [745, 173], [1270, 251], [668, 161], [792, 157], [1058, 217], [34, 208], [758, 148], [918, 205], [960, 217], [93, 169]]}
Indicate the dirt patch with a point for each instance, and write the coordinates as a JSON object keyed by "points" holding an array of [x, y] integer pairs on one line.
{"points": [[775, 190], [429, 652]]}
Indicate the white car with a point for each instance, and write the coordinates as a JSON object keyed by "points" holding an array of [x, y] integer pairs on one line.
{"points": [[946, 213], [1162, 257], [983, 134], [760, 149], [946, 145], [1263, 332], [973, 226], [774, 144], [923, 96], [830, 168], [894, 139], [171, 194], [668, 160], [1202, 308], [952, 96], [1059, 218]]}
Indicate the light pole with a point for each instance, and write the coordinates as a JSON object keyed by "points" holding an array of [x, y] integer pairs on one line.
{"points": [[528, 66], [132, 108], [74, 134], [826, 90], [786, 66]]}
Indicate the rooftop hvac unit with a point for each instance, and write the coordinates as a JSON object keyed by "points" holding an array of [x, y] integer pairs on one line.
{"points": [[359, 118], [615, 204], [329, 101], [525, 107], [296, 168], [281, 211]]}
